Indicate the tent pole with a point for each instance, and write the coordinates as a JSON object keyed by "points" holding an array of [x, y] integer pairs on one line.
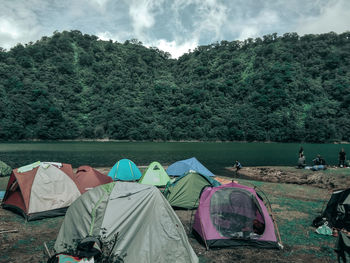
{"points": [[47, 250], [273, 217], [276, 226], [205, 239], [193, 212]]}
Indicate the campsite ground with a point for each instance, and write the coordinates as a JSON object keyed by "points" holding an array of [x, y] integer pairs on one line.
{"points": [[296, 197]]}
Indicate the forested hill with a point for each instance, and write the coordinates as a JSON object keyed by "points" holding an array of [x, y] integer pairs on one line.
{"points": [[278, 88]]}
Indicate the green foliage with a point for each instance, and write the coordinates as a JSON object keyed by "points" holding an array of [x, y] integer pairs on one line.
{"points": [[5, 170], [278, 88]]}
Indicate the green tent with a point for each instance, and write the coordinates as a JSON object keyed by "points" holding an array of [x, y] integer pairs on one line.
{"points": [[155, 175], [133, 222], [5, 170], [186, 190]]}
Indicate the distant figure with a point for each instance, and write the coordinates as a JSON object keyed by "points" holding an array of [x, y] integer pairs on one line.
{"points": [[342, 158], [238, 166], [301, 151], [301, 161], [319, 160]]}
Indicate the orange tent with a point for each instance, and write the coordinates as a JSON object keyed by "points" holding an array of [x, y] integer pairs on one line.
{"points": [[87, 178]]}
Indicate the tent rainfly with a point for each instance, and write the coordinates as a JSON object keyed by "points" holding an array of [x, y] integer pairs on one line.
{"points": [[337, 211], [192, 164], [133, 221], [155, 175], [234, 215], [186, 190], [41, 190], [88, 177], [125, 170]]}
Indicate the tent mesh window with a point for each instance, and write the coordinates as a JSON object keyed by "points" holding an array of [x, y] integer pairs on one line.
{"points": [[235, 213]]}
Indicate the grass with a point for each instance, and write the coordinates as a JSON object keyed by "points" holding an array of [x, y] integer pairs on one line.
{"points": [[294, 207]]}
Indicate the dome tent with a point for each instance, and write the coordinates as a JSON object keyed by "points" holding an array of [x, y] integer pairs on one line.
{"points": [[87, 178], [186, 190], [234, 215], [138, 217], [125, 170], [155, 175], [337, 211], [181, 167], [41, 190]]}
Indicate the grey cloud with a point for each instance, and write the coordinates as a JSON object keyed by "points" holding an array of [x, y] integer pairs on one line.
{"points": [[333, 16]]}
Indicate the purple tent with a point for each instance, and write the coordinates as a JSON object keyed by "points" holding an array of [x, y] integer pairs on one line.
{"points": [[233, 215]]}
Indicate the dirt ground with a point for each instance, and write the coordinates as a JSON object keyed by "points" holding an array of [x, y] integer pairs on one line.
{"points": [[331, 178], [296, 197]]}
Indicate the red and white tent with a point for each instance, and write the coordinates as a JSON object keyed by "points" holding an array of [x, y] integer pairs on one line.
{"points": [[42, 190]]}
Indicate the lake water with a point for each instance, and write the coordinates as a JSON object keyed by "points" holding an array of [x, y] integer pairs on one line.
{"points": [[214, 155]]}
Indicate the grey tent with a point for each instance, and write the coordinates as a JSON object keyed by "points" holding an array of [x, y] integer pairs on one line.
{"points": [[147, 228]]}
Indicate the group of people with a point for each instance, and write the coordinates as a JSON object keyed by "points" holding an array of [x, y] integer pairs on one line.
{"points": [[319, 160]]}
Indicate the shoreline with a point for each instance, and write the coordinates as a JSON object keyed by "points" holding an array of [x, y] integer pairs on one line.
{"points": [[331, 179], [161, 141]]}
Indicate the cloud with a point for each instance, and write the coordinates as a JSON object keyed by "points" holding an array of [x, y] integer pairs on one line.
{"points": [[212, 16], [174, 48], [194, 22], [333, 16], [263, 23], [171, 25], [119, 36], [18, 23], [142, 14], [248, 32], [194, 19], [100, 3]]}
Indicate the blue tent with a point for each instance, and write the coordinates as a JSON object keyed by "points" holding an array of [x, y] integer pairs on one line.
{"points": [[125, 170], [181, 167]]}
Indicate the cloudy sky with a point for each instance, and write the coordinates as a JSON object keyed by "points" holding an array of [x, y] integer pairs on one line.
{"points": [[173, 26]]}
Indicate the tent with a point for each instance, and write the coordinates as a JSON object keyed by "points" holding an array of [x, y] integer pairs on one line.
{"points": [[185, 191], [125, 170], [41, 190], [155, 175], [87, 178], [337, 211], [183, 166], [233, 215], [132, 221]]}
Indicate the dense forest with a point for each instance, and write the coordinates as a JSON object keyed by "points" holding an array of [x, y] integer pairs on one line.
{"points": [[275, 88]]}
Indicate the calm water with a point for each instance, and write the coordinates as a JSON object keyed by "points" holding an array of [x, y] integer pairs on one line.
{"points": [[213, 155]]}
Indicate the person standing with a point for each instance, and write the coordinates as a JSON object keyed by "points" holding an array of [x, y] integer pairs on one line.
{"points": [[342, 157], [301, 161], [238, 166], [301, 151]]}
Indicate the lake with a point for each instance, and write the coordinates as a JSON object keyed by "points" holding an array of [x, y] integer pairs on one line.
{"points": [[214, 155]]}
